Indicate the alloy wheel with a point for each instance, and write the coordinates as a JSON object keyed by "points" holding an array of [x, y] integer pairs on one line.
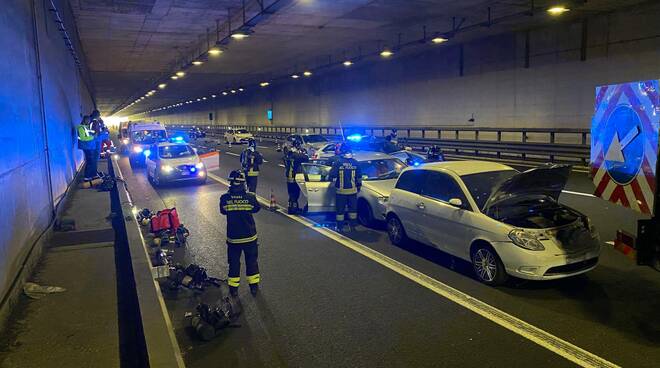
{"points": [[485, 265]]}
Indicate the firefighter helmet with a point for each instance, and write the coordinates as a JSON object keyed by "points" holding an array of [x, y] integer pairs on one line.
{"points": [[236, 177]]}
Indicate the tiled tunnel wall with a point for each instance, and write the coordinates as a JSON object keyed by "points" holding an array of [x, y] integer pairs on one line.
{"points": [[425, 88], [39, 157]]}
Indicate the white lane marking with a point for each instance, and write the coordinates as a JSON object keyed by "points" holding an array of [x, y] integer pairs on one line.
{"points": [[544, 339], [264, 147], [578, 193], [232, 153]]}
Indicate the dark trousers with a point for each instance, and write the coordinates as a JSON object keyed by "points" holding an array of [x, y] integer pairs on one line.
{"points": [[91, 163], [251, 251], [294, 194], [346, 203], [252, 183]]}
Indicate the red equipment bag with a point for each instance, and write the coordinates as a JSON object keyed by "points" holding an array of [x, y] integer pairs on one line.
{"points": [[167, 219]]}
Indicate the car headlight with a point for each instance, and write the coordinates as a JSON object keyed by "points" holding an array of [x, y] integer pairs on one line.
{"points": [[166, 169], [199, 165], [137, 149], [124, 141], [525, 239]]}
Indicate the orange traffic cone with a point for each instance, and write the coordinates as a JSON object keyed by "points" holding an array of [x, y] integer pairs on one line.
{"points": [[273, 203]]}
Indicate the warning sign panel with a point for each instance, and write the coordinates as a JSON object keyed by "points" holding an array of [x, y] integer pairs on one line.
{"points": [[624, 143]]}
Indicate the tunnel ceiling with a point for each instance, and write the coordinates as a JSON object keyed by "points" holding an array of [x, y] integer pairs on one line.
{"points": [[132, 45]]}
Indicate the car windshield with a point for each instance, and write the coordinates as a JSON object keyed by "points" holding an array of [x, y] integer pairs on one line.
{"points": [[178, 151], [240, 131], [148, 136], [481, 185], [314, 138], [381, 169]]}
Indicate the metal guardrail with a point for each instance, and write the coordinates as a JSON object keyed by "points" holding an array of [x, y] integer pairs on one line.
{"points": [[153, 343], [538, 145]]}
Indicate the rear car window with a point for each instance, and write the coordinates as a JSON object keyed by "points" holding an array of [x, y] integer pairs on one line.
{"points": [[411, 181], [168, 152]]}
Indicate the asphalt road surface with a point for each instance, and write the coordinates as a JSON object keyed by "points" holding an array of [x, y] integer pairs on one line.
{"points": [[359, 301]]}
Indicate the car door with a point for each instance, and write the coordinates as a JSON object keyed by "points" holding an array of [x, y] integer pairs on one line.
{"points": [[315, 184], [405, 199], [444, 225]]}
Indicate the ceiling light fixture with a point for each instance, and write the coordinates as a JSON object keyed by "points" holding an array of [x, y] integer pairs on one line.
{"points": [[307, 73], [197, 62], [347, 63], [162, 86], [214, 96], [215, 51], [224, 93], [175, 77], [241, 89], [557, 10], [239, 35], [203, 98], [264, 84], [233, 91], [199, 99], [439, 39], [295, 76], [386, 53], [181, 74]]}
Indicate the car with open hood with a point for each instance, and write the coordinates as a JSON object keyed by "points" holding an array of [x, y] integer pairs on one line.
{"points": [[379, 174], [505, 222], [174, 161]]}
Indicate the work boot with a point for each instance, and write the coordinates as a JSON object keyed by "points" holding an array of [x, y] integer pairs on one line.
{"points": [[233, 291], [254, 289]]}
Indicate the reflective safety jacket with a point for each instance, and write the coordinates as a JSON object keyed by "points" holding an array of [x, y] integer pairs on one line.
{"points": [[347, 175], [85, 137], [292, 164], [250, 161], [239, 205]]}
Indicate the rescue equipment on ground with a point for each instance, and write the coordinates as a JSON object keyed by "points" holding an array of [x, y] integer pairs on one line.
{"points": [[211, 319], [90, 183], [144, 216], [167, 226], [192, 277]]}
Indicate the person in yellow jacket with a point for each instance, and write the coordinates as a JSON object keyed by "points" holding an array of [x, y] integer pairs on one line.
{"points": [[251, 159], [87, 143]]}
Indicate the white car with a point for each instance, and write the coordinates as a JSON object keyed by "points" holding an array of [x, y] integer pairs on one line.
{"points": [[310, 142], [170, 162], [379, 174], [502, 221], [237, 136]]}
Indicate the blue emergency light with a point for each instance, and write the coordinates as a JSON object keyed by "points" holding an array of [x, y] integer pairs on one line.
{"points": [[147, 152], [354, 137]]}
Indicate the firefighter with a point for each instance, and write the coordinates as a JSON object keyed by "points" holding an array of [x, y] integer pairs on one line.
{"points": [[251, 159], [434, 154], [239, 205], [392, 137], [292, 164], [348, 181]]}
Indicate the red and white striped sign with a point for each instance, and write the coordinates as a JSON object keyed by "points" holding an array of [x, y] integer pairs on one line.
{"points": [[624, 144], [211, 160]]}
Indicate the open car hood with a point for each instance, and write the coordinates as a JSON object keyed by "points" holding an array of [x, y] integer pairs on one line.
{"points": [[548, 181]]}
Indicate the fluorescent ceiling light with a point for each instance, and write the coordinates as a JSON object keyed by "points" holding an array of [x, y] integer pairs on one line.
{"points": [[557, 10]]}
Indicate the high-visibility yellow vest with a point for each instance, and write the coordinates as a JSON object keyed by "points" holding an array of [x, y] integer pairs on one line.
{"points": [[84, 134]]}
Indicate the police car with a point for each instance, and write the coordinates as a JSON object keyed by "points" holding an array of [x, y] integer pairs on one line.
{"points": [[174, 161]]}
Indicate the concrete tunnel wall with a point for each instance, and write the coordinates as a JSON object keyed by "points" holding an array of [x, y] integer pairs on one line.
{"points": [[425, 88], [39, 158]]}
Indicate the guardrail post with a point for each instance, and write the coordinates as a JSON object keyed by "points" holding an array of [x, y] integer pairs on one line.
{"points": [[524, 140], [423, 133], [584, 138], [552, 137]]}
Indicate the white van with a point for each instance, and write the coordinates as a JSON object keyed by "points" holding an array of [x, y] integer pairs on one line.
{"points": [[142, 137]]}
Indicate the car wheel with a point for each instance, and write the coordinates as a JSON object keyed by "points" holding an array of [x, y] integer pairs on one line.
{"points": [[395, 231], [487, 265], [365, 214]]}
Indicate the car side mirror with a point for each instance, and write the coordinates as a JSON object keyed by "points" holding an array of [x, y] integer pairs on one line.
{"points": [[365, 177], [456, 202]]}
